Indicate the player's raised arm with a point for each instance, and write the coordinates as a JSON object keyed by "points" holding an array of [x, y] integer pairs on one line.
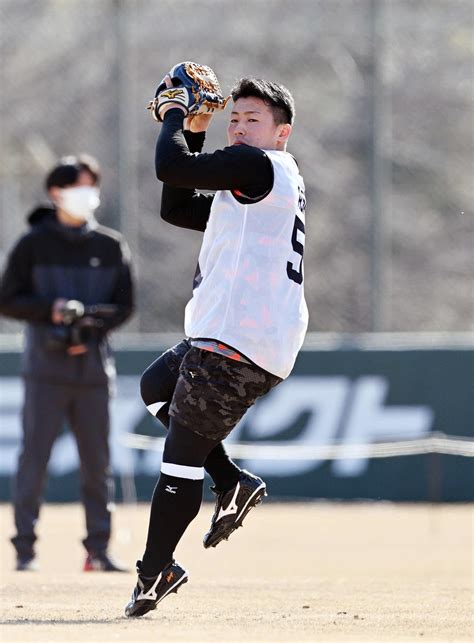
{"points": [[230, 168], [183, 207], [186, 99]]}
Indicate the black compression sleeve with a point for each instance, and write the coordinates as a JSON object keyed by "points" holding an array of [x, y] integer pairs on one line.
{"points": [[190, 212], [183, 207], [194, 140], [242, 167]]}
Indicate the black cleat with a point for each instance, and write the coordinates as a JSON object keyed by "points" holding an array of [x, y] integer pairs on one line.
{"points": [[149, 591], [232, 507], [101, 561]]}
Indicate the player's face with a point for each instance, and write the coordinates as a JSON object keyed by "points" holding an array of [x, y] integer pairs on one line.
{"points": [[251, 123]]}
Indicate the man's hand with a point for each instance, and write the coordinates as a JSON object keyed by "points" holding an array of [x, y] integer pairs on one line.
{"points": [[192, 87], [162, 109], [65, 311], [168, 106], [197, 122], [57, 311], [76, 349]]}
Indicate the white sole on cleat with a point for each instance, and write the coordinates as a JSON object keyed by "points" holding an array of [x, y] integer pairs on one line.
{"points": [[242, 515], [171, 590], [261, 490], [174, 588]]}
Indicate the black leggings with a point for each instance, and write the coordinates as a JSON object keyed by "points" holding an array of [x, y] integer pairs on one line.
{"points": [[157, 385], [158, 382], [183, 446]]}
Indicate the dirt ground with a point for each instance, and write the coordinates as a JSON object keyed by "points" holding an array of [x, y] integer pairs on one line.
{"points": [[295, 572]]}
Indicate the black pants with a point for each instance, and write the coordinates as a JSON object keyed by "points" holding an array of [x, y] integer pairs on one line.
{"points": [[46, 407]]}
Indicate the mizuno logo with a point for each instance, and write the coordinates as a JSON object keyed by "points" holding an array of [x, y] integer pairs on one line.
{"points": [[173, 93], [232, 507], [171, 489], [149, 595]]}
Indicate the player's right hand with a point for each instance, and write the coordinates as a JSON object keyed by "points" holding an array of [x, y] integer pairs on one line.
{"points": [[197, 122]]}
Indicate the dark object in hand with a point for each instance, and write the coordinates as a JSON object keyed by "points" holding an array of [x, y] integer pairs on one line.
{"points": [[79, 323]]}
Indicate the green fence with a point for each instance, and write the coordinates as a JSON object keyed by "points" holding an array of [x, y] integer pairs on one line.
{"points": [[354, 398]]}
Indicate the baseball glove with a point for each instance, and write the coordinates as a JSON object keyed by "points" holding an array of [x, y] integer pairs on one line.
{"points": [[195, 87]]}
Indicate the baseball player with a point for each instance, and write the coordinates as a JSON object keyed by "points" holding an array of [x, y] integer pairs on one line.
{"points": [[247, 317], [157, 386]]}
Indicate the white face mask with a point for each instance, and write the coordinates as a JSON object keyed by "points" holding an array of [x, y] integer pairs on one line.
{"points": [[80, 202]]}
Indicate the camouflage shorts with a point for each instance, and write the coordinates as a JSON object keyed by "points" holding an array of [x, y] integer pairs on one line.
{"points": [[213, 392], [174, 356]]}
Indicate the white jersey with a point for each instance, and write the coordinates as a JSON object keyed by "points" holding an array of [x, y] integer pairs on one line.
{"points": [[249, 286]]}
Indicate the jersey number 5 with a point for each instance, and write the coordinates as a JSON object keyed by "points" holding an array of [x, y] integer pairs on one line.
{"points": [[298, 247]]}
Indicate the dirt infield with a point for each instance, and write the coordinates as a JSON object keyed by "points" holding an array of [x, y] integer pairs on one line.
{"points": [[295, 572]]}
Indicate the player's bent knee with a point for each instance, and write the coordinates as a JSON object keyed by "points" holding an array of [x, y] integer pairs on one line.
{"points": [[185, 447], [148, 389], [156, 384]]}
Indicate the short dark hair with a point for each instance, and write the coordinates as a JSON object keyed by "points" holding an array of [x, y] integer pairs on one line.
{"points": [[276, 96], [66, 171]]}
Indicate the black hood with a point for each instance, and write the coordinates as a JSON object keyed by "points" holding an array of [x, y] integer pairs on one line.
{"points": [[41, 214], [45, 215]]}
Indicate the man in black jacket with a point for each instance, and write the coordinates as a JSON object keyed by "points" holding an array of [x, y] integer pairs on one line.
{"points": [[69, 279]]}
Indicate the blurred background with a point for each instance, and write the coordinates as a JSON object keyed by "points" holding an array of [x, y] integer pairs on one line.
{"points": [[383, 136], [384, 139]]}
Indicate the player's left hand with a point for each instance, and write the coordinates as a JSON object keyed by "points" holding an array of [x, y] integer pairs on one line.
{"points": [[192, 87]]}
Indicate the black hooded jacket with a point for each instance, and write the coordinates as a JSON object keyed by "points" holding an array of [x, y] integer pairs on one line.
{"points": [[51, 261]]}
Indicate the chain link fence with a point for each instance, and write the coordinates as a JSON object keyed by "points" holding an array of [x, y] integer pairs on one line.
{"points": [[383, 137]]}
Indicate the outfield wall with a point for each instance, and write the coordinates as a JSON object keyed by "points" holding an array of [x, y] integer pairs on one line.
{"points": [[346, 395]]}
